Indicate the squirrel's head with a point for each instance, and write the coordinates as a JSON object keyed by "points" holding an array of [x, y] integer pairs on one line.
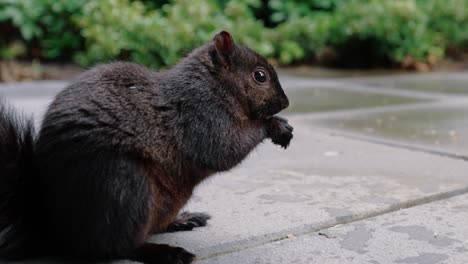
{"points": [[253, 80]]}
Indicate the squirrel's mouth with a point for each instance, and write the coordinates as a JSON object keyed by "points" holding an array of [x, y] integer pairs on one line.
{"points": [[266, 113]]}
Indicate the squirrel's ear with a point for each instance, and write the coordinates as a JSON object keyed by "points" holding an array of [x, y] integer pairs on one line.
{"points": [[224, 44]]}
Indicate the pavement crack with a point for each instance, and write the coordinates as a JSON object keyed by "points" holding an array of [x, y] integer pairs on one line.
{"points": [[313, 228], [326, 235]]}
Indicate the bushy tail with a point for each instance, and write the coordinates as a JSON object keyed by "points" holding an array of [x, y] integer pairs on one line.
{"points": [[16, 175]]}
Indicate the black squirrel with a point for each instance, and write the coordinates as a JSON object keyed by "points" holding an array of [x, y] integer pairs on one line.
{"points": [[121, 149]]}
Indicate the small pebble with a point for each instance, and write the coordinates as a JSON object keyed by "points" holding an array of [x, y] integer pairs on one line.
{"points": [[331, 153]]}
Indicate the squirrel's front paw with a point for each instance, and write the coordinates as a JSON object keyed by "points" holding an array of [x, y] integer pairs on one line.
{"points": [[280, 131]]}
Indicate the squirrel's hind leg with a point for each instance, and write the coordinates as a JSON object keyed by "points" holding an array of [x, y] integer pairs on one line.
{"points": [[150, 253], [187, 221]]}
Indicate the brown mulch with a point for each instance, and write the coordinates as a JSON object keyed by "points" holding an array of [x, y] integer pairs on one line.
{"points": [[12, 71]]}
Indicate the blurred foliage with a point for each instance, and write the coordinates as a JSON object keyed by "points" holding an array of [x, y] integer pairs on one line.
{"points": [[12, 50], [386, 30], [286, 10], [448, 18], [45, 26], [159, 37], [349, 33]]}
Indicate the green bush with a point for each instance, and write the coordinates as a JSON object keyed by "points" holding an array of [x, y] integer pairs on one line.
{"points": [[45, 25], [159, 32], [160, 37], [380, 30], [282, 11], [448, 18], [394, 29]]}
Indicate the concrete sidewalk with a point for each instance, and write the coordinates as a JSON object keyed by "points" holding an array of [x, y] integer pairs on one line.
{"points": [[376, 173]]}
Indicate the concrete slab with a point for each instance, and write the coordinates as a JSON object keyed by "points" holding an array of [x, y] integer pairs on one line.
{"points": [[330, 73], [428, 234], [443, 127], [316, 99], [31, 89], [441, 85], [32, 98], [451, 83]]}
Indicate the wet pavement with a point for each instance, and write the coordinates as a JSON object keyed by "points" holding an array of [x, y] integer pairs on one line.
{"points": [[426, 234], [396, 109], [377, 172], [441, 127], [444, 84], [316, 99]]}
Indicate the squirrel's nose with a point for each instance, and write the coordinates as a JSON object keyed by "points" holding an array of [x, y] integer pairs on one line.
{"points": [[284, 102]]}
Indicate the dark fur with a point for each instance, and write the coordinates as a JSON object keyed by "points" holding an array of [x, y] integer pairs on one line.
{"points": [[16, 181], [187, 221], [121, 149]]}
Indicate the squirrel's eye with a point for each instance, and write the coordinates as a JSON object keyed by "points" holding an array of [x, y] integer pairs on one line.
{"points": [[260, 76]]}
